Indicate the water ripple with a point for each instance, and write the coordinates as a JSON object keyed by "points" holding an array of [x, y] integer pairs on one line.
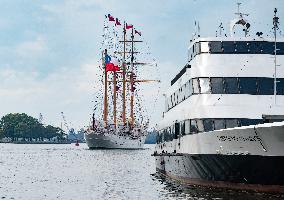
{"points": [[69, 172]]}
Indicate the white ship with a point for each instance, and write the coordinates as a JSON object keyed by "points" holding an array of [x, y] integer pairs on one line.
{"points": [[106, 139], [223, 124], [122, 123]]}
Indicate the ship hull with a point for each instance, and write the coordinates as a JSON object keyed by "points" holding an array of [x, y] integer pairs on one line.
{"points": [[260, 173], [252, 162], [110, 141]]}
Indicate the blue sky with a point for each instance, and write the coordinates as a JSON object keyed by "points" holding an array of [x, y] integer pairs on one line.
{"points": [[49, 49]]}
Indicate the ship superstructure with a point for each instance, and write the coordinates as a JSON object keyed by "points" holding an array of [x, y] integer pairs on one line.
{"points": [[223, 120]]}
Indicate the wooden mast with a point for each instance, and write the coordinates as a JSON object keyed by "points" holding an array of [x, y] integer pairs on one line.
{"points": [[114, 99], [132, 82], [105, 95], [123, 77], [132, 78]]}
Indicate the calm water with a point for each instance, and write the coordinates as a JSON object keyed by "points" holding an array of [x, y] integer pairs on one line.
{"points": [[69, 172]]}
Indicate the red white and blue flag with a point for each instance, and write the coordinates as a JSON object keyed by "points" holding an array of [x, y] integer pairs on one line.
{"points": [[111, 64]]}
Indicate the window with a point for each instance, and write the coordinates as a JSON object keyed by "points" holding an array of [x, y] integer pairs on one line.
{"points": [[268, 47], [217, 86], [232, 47], [193, 126], [208, 125], [231, 85], [266, 86], [168, 135], [204, 47], [229, 47], [190, 89], [182, 128], [186, 90], [187, 127], [247, 122], [176, 130], [215, 47], [195, 84], [256, 47], [248, 85], [158, 137], [242, 47], [280, 86], [219, 124], [200, 126], [204, 85], [280, 46], [171, 133], [183, 91], [197, 48], [231, 123], [177, 98]]}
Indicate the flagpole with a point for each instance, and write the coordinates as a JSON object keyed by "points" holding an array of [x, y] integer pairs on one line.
{"points": [[123, 76], [105, 96], [275, 26]]}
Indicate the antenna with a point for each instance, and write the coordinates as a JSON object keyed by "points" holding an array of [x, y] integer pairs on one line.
{"points": [[65, 121], [239, 7], [239, 13], [275, 27], [220, 28]]}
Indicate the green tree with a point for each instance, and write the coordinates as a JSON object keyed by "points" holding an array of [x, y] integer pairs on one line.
{"points": [[1, 133], [28, 128]]}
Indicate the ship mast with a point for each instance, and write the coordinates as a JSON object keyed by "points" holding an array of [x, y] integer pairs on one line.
{"points": [[123, 76], [114, 99], [275, 27], [129, 73], [105, 95], [132, 82]]}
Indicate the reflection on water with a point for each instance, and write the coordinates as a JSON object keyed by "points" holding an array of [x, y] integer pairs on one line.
{"points": [[68, 172]]}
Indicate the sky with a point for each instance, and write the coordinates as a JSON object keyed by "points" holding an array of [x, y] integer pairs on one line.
{"points": [[49, 49]]}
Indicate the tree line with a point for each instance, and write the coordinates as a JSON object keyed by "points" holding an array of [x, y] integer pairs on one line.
{"points": [[20, 125]]}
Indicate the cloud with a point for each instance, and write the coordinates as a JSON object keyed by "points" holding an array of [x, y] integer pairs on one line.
{"points": [[69, 90], [49, 50], [31, 49]]}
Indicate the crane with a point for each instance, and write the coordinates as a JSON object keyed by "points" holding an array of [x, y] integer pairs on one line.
{"points": [[65, 122]]}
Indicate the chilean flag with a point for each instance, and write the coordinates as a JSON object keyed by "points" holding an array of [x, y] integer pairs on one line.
{"points": [[128, 26], [117, 22], [111, 65], [137, 32], [110, 18]]}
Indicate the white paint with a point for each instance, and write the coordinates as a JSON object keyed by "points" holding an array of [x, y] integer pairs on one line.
{"points": [[109, 140], [270, 142]]}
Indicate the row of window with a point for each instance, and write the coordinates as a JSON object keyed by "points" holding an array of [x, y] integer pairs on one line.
{"points": [[228, 85], [235, 47], [192, 126]]}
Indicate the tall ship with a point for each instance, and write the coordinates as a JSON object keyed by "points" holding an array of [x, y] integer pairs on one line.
{"points": [[223, 123], [119, 119]]}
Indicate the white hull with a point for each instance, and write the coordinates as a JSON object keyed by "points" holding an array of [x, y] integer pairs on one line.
{"points": [[250, 158], [264, 140], [96, 140]]}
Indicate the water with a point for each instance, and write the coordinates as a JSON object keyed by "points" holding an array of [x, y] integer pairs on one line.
{"points": [[53, 171]]}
